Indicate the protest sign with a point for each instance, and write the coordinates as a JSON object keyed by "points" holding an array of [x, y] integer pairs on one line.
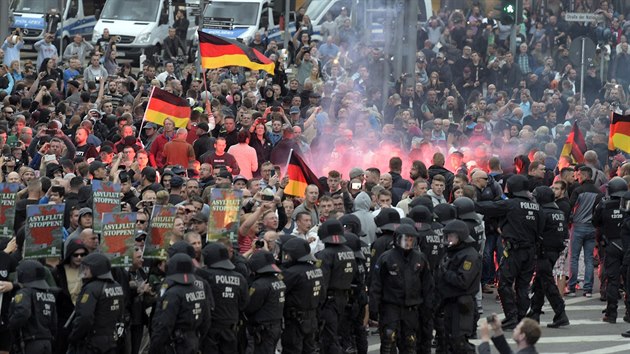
{"points": [[106, 199], [8, 193], [44, 231], [225, 205], [118, 239], [162, 221]]}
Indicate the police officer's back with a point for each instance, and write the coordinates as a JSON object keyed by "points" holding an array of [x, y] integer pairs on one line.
{"points": [[466, 212], [608, 219], [304, 282], [99, 307], [401, 288], [229, 290], [33, 314], [338, 266], [458, 282], [431, 238], [266, 303], [386, 221], [182, 315]]}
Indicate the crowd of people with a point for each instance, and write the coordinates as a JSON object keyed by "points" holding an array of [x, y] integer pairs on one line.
{"points": [[436, 187]]}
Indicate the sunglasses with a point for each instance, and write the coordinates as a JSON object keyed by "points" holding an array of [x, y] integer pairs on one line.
{"points": [[77, 255], [188, 211], [141, 222]]}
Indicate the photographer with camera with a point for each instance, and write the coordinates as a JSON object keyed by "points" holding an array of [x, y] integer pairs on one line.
{"points": [[45, 48], [79, 48], [526, 334], [12, 46]]}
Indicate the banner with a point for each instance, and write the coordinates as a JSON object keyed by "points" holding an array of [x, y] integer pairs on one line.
{"points": [[162, 221], [8, 193], [118, 239], [106, 198], [225, 205], [44, 231]]}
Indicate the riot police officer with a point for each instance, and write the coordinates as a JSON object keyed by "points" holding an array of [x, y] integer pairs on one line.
{"points": [[431, 243], [608, 218], [625, 241], [401, 288], [229, 290], [33, 313], [522, 224], [339, 266], [266, 303], [386, 222], [459, 275], [304, 291], [352, 329], [556, 231], [99, 308], [182, 315]]}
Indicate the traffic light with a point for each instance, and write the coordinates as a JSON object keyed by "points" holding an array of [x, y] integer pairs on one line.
{"points": [[508, 11]]}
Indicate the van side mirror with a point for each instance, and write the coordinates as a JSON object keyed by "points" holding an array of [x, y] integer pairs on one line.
{"points": [[97, 14], [163, 19]]}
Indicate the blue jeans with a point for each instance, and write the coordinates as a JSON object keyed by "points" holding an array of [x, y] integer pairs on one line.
{"points": [[582, 237], [490, 259]]}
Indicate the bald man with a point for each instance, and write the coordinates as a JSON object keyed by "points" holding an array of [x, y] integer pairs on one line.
{"points": [[13, 177], [90, 239]]}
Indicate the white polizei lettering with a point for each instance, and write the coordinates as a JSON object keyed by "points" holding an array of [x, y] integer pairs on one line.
{"points": [[227, 279], [314, 273], [196, 296], [110, 292], [345, 256], [45, 297], [530, 206], [278, 285]]}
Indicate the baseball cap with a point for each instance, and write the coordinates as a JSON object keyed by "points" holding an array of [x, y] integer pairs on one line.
{"points": [[177, 182], [356, 172], [95, 165], [204, 126], [200, 216], [178, 169], [239, 178], [294, 110], [150, 126]]}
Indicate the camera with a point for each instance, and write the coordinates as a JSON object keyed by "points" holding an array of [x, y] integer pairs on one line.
{"points": [[491, 318], [356, 185], [267, 198], [260, 243], [51, 131], [304, 28], [307, 48]]}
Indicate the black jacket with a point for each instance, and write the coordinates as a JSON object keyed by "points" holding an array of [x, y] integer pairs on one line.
{"points": [[459, 272], [33, 313], [229, 290], [522, 221], [338, 266], [556, 228], [266, 301], [608, 218]]}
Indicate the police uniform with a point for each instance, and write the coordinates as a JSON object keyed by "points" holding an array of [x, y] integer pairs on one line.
{"points": [[387, 221], [608, 219], [352, 329], [98, 310], [229, 290], [339, 266], [556, 231], [459, 275], [401, 288], [304, 292], [182, 314], [33, 313], [522, 224], [7, 266], [625, 241], [431, 244], [266, 303]]}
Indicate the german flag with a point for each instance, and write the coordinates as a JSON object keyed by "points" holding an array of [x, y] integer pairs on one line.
{"points": [[300, 176], [575, 146], [218, 52], [619, 133], [164, 105]]}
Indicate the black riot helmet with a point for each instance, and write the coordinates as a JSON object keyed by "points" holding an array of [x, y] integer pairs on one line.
{"points": [[465, 209], [518, 186], [180, 269], [32, 274], [331, 232], [545, 196], [263, 262], [297, 249], [617, 187], [216, 255], [445, 212], [99, 265], [459, 228], [400, 235]]}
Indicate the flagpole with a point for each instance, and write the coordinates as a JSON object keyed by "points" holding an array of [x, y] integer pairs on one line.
{"points": [[145, 112], [286, 167]]}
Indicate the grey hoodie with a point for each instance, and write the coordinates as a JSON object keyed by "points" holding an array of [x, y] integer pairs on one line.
{"points": [[362, 204]]}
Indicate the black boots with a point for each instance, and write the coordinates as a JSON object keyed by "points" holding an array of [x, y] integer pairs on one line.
{"points": [[559, 320]]}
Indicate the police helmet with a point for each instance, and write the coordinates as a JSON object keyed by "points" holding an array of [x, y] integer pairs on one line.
{"points": [[421, 213], [354, 243], [263, 262], [445, 212], [216, 255], [331, 231], [179, 269], [353, 224], [518, 185], [32, 274], [181, 247], [544, 195], [465, 209], [99, 265], [422, 200], [617, 187], [405, 230], [297, 249], [460, 228], [625, 203], [387, 219]]}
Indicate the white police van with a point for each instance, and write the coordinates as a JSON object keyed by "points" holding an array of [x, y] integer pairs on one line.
{"points": [[76, 17]]}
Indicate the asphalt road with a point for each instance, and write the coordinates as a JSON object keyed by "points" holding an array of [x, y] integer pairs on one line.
{"points": [[587, 334]]}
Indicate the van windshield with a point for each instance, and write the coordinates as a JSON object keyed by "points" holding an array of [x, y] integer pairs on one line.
{"points": [[35, 6], [244, 14], [131, 10]]}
